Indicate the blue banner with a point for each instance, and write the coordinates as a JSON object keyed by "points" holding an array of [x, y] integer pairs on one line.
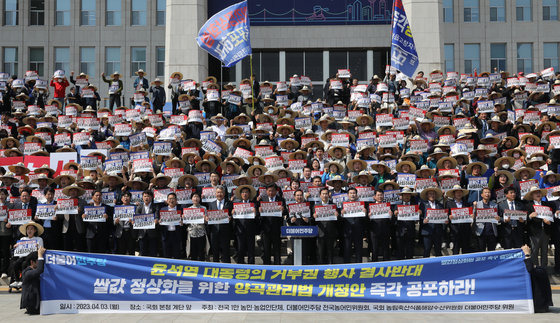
{"points": [[481, 282], [403, 50], [226, 34]]}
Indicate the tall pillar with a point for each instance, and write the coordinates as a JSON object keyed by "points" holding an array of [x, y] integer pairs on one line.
{"points": [[182, 54], [426, 21]]}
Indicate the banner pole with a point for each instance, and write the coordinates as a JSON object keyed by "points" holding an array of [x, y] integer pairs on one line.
{"points": [[251, 78]]}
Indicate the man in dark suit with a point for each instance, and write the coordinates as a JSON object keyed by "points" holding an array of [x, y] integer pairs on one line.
{"points": [[431, 232], [539, 228], [460, 232], [512, 229], [406, 230], [379, 233], [147, 238], [353, 229], [30, 293], [73, 228], [245, 229], [26, 202], [97, 233], [326, 231], [270, 228], [123, 232], [170, 235], [220, 233]]}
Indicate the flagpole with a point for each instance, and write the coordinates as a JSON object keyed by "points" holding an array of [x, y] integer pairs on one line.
{"points": [[252, 81]]}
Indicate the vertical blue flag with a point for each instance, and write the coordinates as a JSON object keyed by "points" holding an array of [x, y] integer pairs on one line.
{"points": [[226, 34], [403, 50]]}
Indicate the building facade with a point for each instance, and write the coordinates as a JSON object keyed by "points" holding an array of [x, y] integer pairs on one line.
{"points": [[313, 38]]}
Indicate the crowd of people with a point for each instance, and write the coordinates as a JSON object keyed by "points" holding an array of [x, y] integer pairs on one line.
{"points": [[445, 160]]}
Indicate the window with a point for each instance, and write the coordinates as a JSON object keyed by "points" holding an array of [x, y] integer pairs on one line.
{"points": [[10, 12], [87, 15], [308, 63], [10, 65], [498, 57], [37, 13], [36, 60], [337, 60], [62, 58], [160, 12], [551, 55], [497, 10], [357, 63], [266, 66], [470, 10], [87, 60], [523, 10], [525, 57], [62, 16], [112, 59], [137, 59], [448, 11], [550, 9], [314, 65], [294, 64], [160, 61], [472, 58], [449, 50], [113, 13], [138, 17]]}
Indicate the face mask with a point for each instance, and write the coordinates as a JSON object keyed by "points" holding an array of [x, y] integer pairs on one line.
{"points": [[59, 80], [506, 166], [212, 159], [516, 155], [256, 162], [270, 111]]}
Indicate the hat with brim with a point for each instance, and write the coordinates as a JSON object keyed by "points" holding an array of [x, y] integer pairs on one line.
{"points": [[489, 140], [162, 176], [285, 127], [438, 153], [405, 162], [456, 188], [202, 162], [217, 117], [521, 152], [23, 228], [197, 143], [140, 71], [4, 141], [252, 159], [529, 195], [66, 149], [513, 140], [289, 173], [87, 183], [507, 174], [8, 177], [363, 173], [551, 174], [369, 119], [295, 153], [26, 129], [415, 157], [217, 158], [43, 168], [106, 178], [535, 162], [67, 190], [517, 173], [440, 162], [19, 165], [138, 180], [179, 74], [424, 194], [184, 97], [339, 168], [351, 164], [252, 191], [442, 129], [251, 170], [423, 169], [42, 177], [481, 149], [378, 166], [116, 74], [499, 161], [182, 179], [59, 178], [428, 122], [237, 181], [407, 190], [333, 148], [232, 163], [175, 159], [482, 165], [8, 152], [530, 135], [284, 143], [232, 128], [395, 185], [314, 142], [336, 178]]}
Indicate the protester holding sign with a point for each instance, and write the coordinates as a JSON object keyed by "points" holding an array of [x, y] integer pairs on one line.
{"points": [[31, 241], [539, 226], [98, 224], [432, 233]]}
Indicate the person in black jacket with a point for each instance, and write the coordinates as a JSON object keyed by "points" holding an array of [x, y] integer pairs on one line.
{"points": [[270, 227], [30, 294], [158, 95], [97, 233], [539, 227], [353, 229], [461, 232], [147, 238], [220, 234], [431, 232]]}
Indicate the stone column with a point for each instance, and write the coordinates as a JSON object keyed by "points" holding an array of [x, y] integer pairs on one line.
{"points": [[426, 21]]}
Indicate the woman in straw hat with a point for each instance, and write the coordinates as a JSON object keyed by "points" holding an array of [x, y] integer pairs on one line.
{"points": [[174, 86], [432, 233], [31, 231], [460, 232], [246, 228], [539, 225]]}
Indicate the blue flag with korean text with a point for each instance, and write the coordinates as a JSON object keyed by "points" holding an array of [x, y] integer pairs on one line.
{"points": [[403, 50], [226, 34]]}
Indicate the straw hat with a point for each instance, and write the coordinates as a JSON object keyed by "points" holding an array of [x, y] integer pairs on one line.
{"points": [[181, 181], [507, 174], [339, 167], [67, 189], [23, 228], [45, 167], [404, 162], [482, 165], [390, 182], [425, 168], [137, 180], [451, 193], [499, 161], [161, 176], [175, 159], [202, 162], [251, 170], [268, 174], [42, 177], [252, 191], [336, 178], [4, 141], [424, 194], [517, 173], [529, 195], [237, 181], [363, 173], [376, 166], [350, 164], [440, 162], [19, 165]]}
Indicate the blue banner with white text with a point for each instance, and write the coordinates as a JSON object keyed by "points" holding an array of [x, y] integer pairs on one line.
{"points": [[492, 282], [403, 51], [226, 34]]}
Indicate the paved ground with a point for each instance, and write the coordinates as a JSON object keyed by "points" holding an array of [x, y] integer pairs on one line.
{"points": [[9, 303]]}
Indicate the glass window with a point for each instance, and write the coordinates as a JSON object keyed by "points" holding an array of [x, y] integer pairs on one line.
{"points": [[37, 13], [498, 57], [160, 61], [294, 64], [87, 14], [112, 59], [472, 58], [160, 12], [550, 9], [449, 50], [470, 10], [137, 59], [246, 68], [62, 15], [10, 65], [523, 10], [525, 57], [270, 66], [113, 13], [357, 63], [87, 60], [10, 12], [337, 60], [497, 10], [138, 17], [62, 58], [314, 65], [551, 55], [448, 11], [36, 60]]}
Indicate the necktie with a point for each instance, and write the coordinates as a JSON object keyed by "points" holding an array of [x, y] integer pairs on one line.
{"points": [[219, 205], [511, 206], [25, 206]]}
